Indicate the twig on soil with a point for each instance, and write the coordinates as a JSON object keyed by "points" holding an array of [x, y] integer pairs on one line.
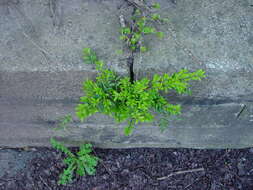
{"points": [[181, 172], [107, 169], [224, 155], [45, 183], [189, 185], [8, 179]]}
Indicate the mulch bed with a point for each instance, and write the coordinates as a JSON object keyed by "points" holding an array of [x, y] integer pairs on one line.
{"points": [[139, 169]]}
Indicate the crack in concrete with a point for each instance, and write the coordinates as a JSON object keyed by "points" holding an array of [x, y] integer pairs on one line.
{"points": [[130, 63], [130, 58], [55, 12], [184, 101]]}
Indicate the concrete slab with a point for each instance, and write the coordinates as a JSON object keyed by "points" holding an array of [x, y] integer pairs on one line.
{"points": [[218, 35], [41, 66], [201, 126], [50, 35], [41, 72]]}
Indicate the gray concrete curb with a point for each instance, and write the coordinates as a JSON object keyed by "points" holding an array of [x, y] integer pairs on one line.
{"points": [[41, 71]]}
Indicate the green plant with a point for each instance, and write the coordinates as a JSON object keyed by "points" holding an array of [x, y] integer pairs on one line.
{"points": [[135, 101], [82, 162], [124, 98], [63, 122], [141, 24]]}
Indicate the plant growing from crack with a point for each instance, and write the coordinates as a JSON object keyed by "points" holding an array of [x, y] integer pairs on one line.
{"points": [[125, 98], [131, 102], [141, 24]]}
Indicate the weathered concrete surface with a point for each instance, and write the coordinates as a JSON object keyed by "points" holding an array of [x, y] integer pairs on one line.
{"points": [[41, 67], [50, 35], [218, 34], [41, 71], [213, 126]]}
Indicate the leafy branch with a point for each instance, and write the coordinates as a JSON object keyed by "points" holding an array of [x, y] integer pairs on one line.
{"points": [[140, 25], [131, 102]]}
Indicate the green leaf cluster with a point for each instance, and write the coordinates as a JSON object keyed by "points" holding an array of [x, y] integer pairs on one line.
{"points": [[63, 122], [132, 102], [141, 25], [82, 162], [89, 56]]}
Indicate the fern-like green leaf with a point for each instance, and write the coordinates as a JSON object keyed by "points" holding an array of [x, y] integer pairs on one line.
{"points": [[81, 163], [134, 101]]}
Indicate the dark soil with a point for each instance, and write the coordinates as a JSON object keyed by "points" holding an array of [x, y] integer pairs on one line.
{"points": [[138, 169]]}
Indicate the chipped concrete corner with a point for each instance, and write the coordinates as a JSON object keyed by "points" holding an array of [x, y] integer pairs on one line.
{"points": [[41, 71]]}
